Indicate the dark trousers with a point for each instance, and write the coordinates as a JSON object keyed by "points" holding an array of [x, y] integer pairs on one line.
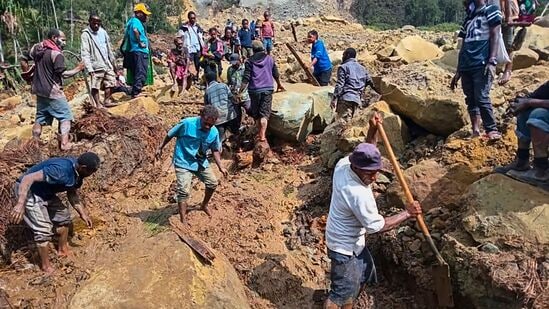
{"points": [[323, 77], [476, 87], [195, 57], [139, 67]]}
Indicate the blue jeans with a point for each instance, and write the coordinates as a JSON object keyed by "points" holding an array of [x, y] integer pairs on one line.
{"points": [[139, 67], [476, 87], [348, 274], [535, 117], [268, 44]]}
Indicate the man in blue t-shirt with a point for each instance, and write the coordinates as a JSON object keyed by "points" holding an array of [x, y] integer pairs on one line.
{"points": [[139, 47], [195, 136], [320, 61], [38, 204], [477, 64]]}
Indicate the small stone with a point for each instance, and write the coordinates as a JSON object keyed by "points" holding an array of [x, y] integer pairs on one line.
{"points": [[436, 236], [288, 231], [406, 239], [382, 179], [438, 224], [415, 245], [434, 211], [408, 231], [489, 248]]}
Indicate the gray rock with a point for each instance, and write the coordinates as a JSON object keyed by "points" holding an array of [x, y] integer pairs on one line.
{"points": [[489, 248]]}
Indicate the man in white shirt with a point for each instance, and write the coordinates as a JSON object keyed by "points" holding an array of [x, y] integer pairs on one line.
{"points": [[194, 40], [353, 213]]}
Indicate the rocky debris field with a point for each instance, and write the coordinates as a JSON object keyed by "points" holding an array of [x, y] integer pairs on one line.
{"points": [[267, 227]]}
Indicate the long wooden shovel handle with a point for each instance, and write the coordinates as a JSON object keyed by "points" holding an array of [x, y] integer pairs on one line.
{"points": [[407, 191]]}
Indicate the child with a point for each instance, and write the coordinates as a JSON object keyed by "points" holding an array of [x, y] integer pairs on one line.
{"points": [[267, 32], [214, 53], [178, 62]]}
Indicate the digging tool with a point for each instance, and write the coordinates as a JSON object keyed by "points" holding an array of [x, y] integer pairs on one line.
{"points": [[303, 66], [440, 272]]}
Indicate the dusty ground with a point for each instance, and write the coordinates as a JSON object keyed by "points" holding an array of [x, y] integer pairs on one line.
{"points": [[268, 221]]}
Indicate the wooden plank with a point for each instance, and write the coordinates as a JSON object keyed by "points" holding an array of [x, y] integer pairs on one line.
{"points": [[197, 245], [303, 66]]}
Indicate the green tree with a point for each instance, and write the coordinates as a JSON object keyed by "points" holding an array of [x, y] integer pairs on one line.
{"points": [[422, 12]]}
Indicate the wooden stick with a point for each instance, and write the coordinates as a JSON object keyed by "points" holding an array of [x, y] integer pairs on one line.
{"points": [[407, 192], [303, 66], [293, 31], [198, 246]]}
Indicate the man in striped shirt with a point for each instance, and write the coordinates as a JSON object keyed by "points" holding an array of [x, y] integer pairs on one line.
{"points": [[477, 64]]}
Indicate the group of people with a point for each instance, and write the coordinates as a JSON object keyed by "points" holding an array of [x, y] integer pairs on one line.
{"points": [[250, 78]]}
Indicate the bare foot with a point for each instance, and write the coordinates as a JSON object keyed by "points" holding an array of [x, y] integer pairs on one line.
{"points": [[48, 269], [64, 252], [66, 147], [207, 211]]}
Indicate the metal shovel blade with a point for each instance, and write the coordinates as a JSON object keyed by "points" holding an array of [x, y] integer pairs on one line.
{"points": [[443, 286]]}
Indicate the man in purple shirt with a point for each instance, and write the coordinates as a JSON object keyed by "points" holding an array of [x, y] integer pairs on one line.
{"points": [[259, 72]]}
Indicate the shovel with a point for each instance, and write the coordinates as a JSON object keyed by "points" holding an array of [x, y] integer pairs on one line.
{"points": [[440, 272]]}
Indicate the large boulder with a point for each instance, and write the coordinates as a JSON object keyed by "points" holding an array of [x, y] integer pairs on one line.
{"points": [[537, 39], [299, 110], [433, 184], [339, 139], [416, 49], [524, 58], [336, 57], [420, 92], [500, 209], [142, 275], [449, 61], [135, 107]]}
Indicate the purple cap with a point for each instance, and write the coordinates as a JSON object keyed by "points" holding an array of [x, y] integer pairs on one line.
{"points": [[366, 157]]}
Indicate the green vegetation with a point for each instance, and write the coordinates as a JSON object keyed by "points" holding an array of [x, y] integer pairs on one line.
{"points": [[382, 15], [24, 22]]}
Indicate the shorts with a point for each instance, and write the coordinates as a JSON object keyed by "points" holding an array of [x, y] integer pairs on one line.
{"points": [[42, 215], [185, 177], [246, 52], [47, 109], [345, 110], [323, 77], [268, 44], [103, 79], [260, 105], [348, 274]]}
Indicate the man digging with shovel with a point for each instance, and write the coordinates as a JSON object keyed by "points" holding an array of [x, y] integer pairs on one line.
{"points": [[353, 213]]}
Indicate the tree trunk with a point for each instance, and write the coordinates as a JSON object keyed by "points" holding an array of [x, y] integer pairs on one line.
{"points": [[72, 27], [1, 49], [54, 14]]}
